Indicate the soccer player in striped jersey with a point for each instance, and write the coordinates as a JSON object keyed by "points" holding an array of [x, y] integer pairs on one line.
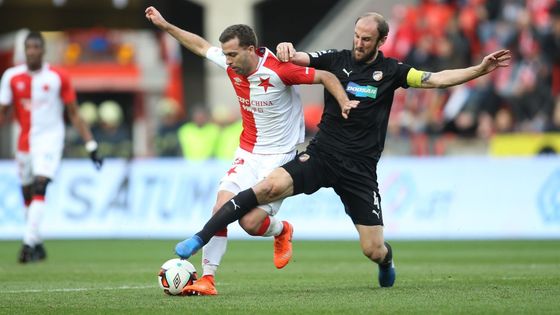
{"points": [[39, 93], [273, 125]]}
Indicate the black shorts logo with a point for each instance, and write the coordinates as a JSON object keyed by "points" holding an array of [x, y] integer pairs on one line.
{"points": [[304, 157]]}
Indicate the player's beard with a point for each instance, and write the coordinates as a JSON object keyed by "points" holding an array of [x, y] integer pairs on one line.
{"points": [[240, 71], [366, 57]]}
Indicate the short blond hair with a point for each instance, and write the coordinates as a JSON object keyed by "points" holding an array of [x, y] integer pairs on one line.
{"points": [[382, 25]]}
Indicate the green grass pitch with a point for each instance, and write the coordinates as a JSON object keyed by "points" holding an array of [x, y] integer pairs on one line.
{"points": [[324, 277]]}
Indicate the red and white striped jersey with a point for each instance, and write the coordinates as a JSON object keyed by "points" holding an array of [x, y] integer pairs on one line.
{"points": [[270, 106], [38, 98]]}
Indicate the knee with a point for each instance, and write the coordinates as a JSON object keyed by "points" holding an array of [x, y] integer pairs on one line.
{"points": [[40, 186], [375, 251], [270, 189], [250, 224]]}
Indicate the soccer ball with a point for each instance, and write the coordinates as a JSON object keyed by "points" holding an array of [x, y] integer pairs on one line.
{"points": [[175, 274]]}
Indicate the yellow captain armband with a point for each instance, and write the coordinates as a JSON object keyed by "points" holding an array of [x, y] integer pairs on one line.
{"points": [[414, 78]]}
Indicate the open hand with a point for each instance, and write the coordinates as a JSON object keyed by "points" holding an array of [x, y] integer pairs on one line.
{"points": [[500, 58], [348, 106]]}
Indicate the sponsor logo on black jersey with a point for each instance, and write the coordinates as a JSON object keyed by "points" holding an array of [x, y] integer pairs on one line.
{"points": [[361, 91]]}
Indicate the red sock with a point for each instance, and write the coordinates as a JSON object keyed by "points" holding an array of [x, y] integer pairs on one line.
{"points": [[264, 226]]}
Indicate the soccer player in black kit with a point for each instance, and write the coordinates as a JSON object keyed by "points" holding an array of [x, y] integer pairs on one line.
{"points": [[345, 151]]}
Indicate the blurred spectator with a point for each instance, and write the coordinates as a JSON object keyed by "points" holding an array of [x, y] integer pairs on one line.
{"points": [[551, 47], [198, 138], [553, 124], [230, 131], [114, 137], [88, 112], [455, 33], [504, 122], [166, 141]]}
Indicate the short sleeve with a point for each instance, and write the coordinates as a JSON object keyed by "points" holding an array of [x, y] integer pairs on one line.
{"points": [[401, 75], [216, 55], [5, 91], [67, 92], [292, 74], [322, 59]]}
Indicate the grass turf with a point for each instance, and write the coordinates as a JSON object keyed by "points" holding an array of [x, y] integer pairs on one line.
{"points": [[324, 277]]}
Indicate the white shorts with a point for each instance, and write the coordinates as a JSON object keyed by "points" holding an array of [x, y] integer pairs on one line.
{"points": [[44, 163], [248, 169]]}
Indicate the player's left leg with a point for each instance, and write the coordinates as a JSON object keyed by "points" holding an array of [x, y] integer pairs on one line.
{"points": [[212, 252], [23, 161], [31, 235], [259, 222], [376, 249], [358, 191]]}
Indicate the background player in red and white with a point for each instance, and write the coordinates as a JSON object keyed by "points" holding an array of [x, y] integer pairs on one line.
{"points": [[272, 127], [39, 93]]}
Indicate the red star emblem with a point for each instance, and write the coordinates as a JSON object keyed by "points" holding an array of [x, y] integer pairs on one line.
{"points": [[265, 83], [45, 87], [231, 170]]}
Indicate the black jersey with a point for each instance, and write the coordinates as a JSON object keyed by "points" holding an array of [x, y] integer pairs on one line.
{"points": [[362, 135]]}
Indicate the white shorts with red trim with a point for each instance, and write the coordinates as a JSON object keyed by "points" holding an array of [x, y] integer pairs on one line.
{"points": [[41, 163], [248, 169]]}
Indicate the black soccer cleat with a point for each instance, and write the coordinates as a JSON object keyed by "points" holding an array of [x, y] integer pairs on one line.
{"points": [[39, 252], [26, 254]]}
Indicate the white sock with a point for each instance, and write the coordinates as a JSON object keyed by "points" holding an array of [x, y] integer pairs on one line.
{"points": [[212, 254], [35, 212], [275, 227]]}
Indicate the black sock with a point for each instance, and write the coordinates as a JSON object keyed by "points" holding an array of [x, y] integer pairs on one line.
{"points": [[230, 212], [388, 258]]}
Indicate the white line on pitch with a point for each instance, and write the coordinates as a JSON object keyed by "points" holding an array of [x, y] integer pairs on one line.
{"points": [[125, 287]]}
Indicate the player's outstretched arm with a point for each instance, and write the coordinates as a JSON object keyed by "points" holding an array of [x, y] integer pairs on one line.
{"points": [[447, 78], [192, 42], [286, 52], [334, 87], [85, 133]]}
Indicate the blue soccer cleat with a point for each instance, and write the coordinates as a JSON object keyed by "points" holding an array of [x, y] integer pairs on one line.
{"points": [[387, 275], [188, 247]]}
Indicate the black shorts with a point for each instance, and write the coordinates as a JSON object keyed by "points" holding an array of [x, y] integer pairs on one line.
{"points": [[354, 181]]}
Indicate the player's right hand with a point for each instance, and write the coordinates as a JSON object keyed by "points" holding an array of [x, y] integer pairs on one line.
{"points": [[91, 148], [285, 51], [347, 107], [153, 15]]}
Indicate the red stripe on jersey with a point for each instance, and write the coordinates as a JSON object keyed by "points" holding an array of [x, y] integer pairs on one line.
{"points": [[242, 89], [67, 92], [290, 73], [21, 94]]}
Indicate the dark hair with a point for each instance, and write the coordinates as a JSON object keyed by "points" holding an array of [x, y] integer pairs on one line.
{"points": [[382, 26], [243, 32], [35, 35]]}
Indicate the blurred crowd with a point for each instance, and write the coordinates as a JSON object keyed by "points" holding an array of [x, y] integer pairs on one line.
{"points": [[430, 35], [435, 35], [108, 127], [208, 134]]}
